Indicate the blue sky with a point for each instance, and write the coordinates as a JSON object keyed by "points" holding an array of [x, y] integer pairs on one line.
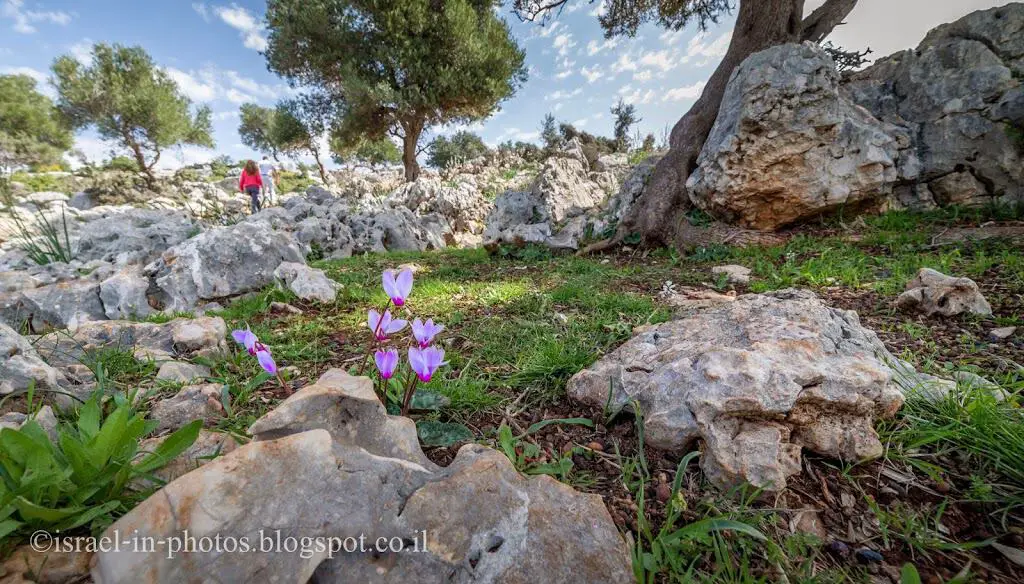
{"points": [[212, 50]]}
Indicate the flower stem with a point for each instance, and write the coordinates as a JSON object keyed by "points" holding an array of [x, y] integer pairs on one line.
{"points": [[373, 339], [409, 391], [287, 388]]}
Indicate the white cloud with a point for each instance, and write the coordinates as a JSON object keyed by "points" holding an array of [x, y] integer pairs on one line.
{"points": [[201, 9], [82, 51], [228, 115], [624, 63], [659, 60], [591, 75], [25, 20], [594, 47], [211, 84], [642, 76], [191, 86], [563, 43], [581, 122], [253, 32], [697, 48], [517, 135], [36, 74], [684, 93], [630, 95], [598, 10], [563, 94]]}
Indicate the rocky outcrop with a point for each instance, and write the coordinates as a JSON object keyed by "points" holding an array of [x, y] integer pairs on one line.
{"points": [[21, 367], [933, 292], [224, 261], [477, 520], [135, 236], [757, 380], [959, 95], [307, 283], [787, 146], [932, 126]]}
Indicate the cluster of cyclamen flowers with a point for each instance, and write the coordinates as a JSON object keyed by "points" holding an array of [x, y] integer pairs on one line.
{"points": [[252, 344], [424, 358]]}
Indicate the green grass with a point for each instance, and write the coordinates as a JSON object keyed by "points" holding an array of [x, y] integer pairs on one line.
{"points": [[37, 183]]}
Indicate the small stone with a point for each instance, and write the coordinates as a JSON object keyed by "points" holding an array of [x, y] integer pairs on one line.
{"points": [[1003, 333], [734, 274], [50, 567], [869, 556], [839, 548], [284, 308], [663, 492], [179, 372], [596, 446], [809, 521], [307, 283], [191, 403]]}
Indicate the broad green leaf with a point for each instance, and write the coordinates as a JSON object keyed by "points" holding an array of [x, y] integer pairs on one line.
{"points": [[32, 512], [442, 433], [426, 400], [89, 419], [8, 526], [909, 575], [110, 435], [544, 423], [171, 447], [90, 514], [699, 530]]}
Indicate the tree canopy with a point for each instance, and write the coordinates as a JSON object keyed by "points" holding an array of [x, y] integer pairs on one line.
{"points": [[256, 128], [370, 152], [31, 130], [131, 102], [625, 118], [397, 68], [301, 123], [460, 147]]}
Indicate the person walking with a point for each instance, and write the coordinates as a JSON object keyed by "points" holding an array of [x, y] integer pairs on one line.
{"points": [[269, 174], [250, 183]]}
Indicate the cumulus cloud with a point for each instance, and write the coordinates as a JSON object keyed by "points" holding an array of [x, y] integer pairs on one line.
{"points": [[684, 93], [252, 30], [82, 51], [202, 10], [563, 43], [707, 52], [25, 20], [594, 47], [562, 94], [211, 84], [515, 134], [591, 75]]}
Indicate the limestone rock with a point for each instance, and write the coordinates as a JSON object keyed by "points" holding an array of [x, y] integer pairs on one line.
{"points": [[50, 567], [933, 292], [134, 235], [60, 305], [359, 472], [207, 447], [307, 283], [194, 402], [756, 379], [180, 372], [787, 146], [124, 295], [734, 274], [21, 366]]}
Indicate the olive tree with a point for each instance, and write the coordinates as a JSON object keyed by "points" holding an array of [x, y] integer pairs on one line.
{"points": [[32, 131]]}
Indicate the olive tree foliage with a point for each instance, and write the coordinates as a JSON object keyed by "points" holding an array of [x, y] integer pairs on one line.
{"points": [[445, 152], [301, 125], [369, 152], [32, 131], [256, 129], [659, 214], [625, 118], [131, 102], [549, 134], [397, 68]]}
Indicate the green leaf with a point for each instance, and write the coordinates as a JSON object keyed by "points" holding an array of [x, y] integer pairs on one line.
{"points": [[507, 442], [8, 526], [442, 433], [89, 514], [909, 575], [426, 400], [699, 530], [171, 447], [29, 511], [89, 419], [544, 423]]}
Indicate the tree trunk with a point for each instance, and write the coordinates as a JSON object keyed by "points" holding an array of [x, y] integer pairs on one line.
{"points": [[410, 139], [140, 159], [658, 215]]}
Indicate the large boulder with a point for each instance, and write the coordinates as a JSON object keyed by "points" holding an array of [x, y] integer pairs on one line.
{"points": [[757, 380], [352, 473], [21, 367], [133, 235], [958, 94], [224, 261], [307, 283], [787, 146], [63, 304]]}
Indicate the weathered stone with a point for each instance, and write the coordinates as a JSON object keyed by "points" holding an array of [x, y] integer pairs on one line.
{"points": [[786, 146], [124, 295], [21, 367], [60, 305], [133, 235], [933, 292], [180, 372], [1002, 333], [483, 521], [45, 417], [49, 567], [756, 379], [307, 283], [224, 261], [734, 274], [208, 446], [194, 402]]}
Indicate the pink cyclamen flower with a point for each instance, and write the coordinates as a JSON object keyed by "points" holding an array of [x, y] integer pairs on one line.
{"points": [[387, 362], [247, 339], [266, 360], [398, 287], [384, 326], [425, 361], [425, 331]]}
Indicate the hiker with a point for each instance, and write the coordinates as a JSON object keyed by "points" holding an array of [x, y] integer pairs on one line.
{"points": [[269, 174], [251, 183]]}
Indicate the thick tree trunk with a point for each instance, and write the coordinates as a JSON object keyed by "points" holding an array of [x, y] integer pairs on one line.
{"points": [[410, 139], [659, 214]]}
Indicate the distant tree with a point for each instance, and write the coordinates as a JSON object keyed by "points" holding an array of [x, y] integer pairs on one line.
{"points": [[625, 118], [256, 128], [368, 152], [301, 123], [658, 214], [131, 102], [847, 60], [122, 163], [528, 151], [31, 130], [649, 143], [549, 134], [462, 146], [397, 68], [593, 146]]}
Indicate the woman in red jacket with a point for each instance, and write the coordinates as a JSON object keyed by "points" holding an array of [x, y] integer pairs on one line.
{"points": [[251, 183]]}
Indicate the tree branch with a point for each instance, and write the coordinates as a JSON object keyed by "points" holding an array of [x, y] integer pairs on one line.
{"points": [[819, 24]]}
